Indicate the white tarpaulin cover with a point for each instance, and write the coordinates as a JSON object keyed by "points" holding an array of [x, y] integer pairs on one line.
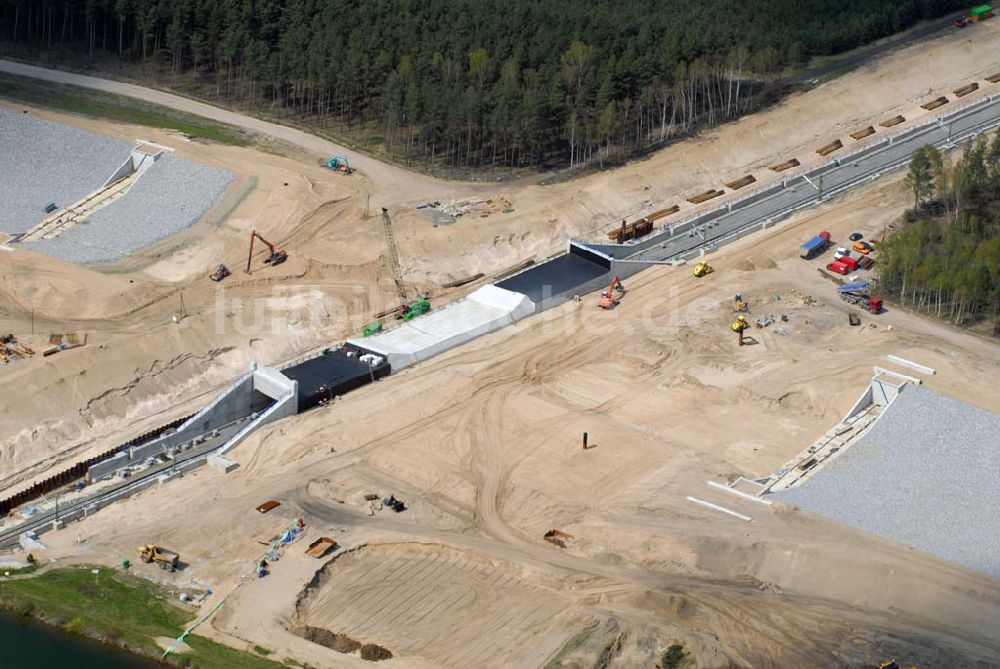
{"points": [[486, 310]]}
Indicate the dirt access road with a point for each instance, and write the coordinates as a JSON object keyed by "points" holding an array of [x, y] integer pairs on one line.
{"points": [[385, 178]]}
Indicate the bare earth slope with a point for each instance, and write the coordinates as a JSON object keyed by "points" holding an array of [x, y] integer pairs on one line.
{"points": [[483, 443]]}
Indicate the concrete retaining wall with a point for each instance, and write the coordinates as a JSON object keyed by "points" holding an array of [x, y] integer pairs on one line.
{"points": [[238, 401], [272, 382], [863, 403], [884, 391], [286, 406]]}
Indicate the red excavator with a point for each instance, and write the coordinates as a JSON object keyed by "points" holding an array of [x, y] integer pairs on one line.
{"points": [[275, 257], [607, 299]]}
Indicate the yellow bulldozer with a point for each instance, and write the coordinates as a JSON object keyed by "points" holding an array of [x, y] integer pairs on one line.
{"points": [[739, 326], [739, 305], [703, 268]]}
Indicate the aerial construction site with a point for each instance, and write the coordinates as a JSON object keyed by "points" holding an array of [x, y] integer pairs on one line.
{"points": [[361, 415]]}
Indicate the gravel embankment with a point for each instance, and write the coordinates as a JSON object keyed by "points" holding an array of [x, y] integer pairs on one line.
{"points": [[43, 162], [926, 475], [169, 197]]}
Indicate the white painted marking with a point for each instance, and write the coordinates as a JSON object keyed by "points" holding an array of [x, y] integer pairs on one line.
{"points": [[716, 507], [738, 493], [909, 363]]}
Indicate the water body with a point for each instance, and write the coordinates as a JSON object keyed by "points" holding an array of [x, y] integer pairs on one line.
{"points": [[26, 643]]}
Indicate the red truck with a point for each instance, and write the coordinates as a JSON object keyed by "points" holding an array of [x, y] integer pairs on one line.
{"points": [[839, 267], [859, 295], [852, 263]]}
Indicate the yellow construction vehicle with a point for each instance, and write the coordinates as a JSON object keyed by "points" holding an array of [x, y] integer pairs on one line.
{"points": [[163, 558], [703, 268], [739, 306], [739, 326]]}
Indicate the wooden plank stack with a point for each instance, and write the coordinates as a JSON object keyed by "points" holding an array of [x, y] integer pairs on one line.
{"points": [[787, 165], [830, 148], [741, 182], [965, 90], [860, 134], [704, 197], [935, 103]]}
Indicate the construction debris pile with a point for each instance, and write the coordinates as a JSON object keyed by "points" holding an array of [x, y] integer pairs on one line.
{"points": [[11, 349], [474, 206], [641, 227]]}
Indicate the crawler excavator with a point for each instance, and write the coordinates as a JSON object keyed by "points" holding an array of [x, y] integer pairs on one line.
{"points": [[275, 257], [607, 299]]}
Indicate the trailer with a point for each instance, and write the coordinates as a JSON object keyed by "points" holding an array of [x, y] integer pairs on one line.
{"points": [[321, 547], [859, 295], [815, 245]]}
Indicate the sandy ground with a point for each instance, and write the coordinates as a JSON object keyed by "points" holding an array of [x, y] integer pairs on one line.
{"points": [[338, 276], [483, 443]]}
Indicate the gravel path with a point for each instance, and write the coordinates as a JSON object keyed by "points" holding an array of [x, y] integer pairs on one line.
{"points": [[170, 196], [43, 162], [926, 475]]}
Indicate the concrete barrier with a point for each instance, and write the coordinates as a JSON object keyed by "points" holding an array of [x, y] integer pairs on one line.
{"points": [[272, 382], [236, 402], [286, 406]]}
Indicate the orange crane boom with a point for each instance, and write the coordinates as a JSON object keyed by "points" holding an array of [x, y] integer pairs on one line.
{"points": [[275, 257]]}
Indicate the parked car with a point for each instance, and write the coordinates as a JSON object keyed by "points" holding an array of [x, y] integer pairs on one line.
{"points": [[856, 236], [841, 253]]}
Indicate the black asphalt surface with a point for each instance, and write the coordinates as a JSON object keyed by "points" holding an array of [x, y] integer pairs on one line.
{"points": [[326, 376], [554, 277]]}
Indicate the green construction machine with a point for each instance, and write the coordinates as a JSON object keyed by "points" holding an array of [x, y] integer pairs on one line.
{"points": [[414, 309]]}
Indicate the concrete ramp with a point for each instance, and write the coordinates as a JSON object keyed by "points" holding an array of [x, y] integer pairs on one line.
{"points": [[486, 310], [140, 159], [284, 407]]}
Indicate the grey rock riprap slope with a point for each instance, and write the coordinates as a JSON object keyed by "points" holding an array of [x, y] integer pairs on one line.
{"points": [[43, 162], [170, 196], [926, 475]]}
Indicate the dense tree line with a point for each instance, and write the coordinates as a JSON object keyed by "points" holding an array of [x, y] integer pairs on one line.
{"points": [[471, 82], [946, 258]]}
